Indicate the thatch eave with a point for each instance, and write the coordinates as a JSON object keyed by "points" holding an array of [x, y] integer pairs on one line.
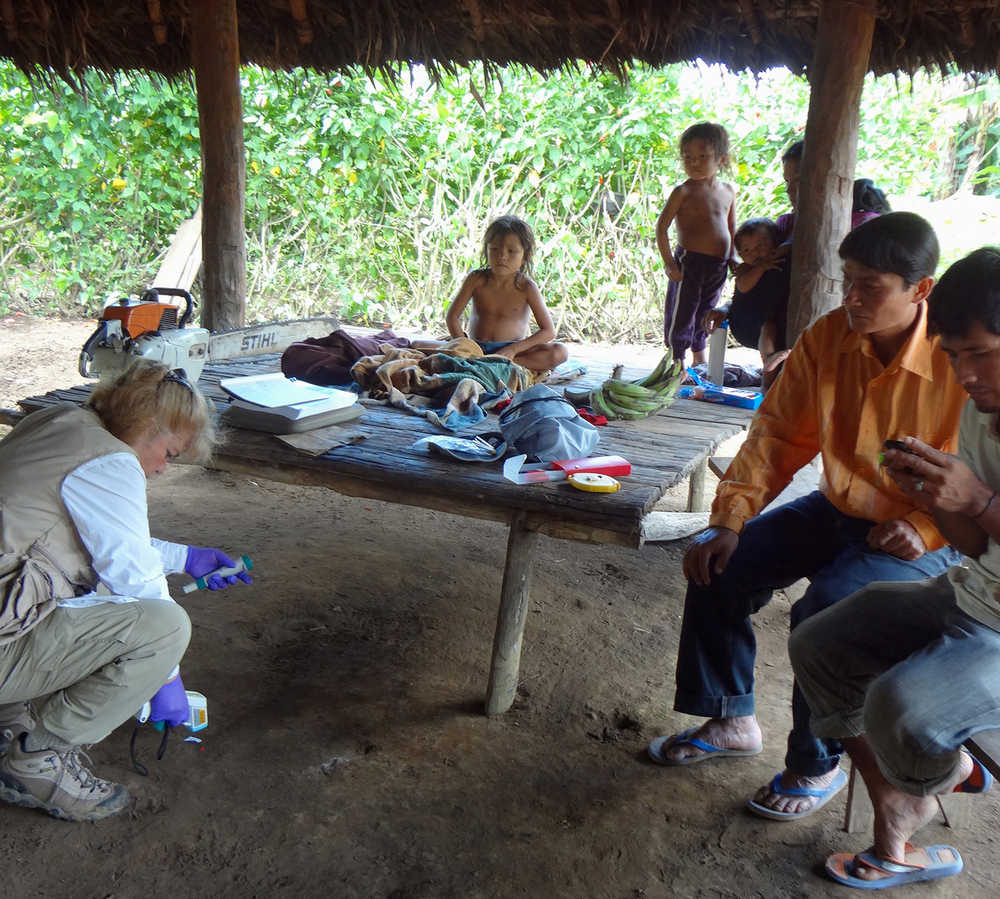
{"points": [[66, 38]]}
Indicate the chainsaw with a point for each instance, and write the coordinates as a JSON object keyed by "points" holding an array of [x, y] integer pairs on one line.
{"points": [[157, 330]]}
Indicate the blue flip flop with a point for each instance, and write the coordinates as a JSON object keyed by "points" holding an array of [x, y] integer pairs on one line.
{"points": [[979, 781], [842, 867], [708, 751], [823, 796]]}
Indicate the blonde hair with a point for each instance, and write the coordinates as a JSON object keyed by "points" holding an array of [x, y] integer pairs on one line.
{"points": [[148, 396]]}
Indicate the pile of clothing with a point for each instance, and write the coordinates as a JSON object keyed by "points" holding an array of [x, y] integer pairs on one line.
{"points": [[449, 382]]}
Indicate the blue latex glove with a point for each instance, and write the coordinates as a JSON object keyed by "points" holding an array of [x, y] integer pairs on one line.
{"points": [[170, 704], [202, 559]]}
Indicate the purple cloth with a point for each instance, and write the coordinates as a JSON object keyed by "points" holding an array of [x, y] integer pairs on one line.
{"points": [[858, 218], [327, 360], [786, 223], [690, 298]]}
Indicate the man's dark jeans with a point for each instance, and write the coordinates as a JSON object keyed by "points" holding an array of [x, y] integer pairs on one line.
{"points": [[807, 538]]}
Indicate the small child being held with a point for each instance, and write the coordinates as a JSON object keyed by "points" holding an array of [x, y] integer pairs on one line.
{"points": [[503, 300], [761, 281], [759, 306], [704, 210]]}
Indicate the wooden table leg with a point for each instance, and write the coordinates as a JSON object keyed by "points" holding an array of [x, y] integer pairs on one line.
{"points": [[696, 487], [514, 597]]}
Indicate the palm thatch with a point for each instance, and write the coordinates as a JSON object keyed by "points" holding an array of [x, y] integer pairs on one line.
{"points": [[66, 37]]}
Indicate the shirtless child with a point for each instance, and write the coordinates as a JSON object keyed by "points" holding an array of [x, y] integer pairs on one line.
{"points": [[704, 210], [503, 300]]}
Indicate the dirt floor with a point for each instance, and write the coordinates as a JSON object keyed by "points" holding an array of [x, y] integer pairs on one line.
{"points": [[347, 754]]}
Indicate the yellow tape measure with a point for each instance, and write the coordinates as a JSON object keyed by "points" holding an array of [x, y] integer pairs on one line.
{"points": [[593, 482]]}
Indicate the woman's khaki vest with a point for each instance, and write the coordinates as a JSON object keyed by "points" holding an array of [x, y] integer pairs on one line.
{"points": [[42, 559]]}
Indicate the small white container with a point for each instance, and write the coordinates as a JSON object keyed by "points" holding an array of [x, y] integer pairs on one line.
{"points": [[717, 354]]}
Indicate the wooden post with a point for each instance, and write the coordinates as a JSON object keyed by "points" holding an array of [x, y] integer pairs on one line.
{"points": [[859, 816], [696, 486], [514, 596], [823, 209], [215, 55]]}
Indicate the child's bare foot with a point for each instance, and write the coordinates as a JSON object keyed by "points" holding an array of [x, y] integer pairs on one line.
{"points": [[740, 734], [775, 359]]}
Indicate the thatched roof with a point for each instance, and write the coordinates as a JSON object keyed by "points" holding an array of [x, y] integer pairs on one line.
{"points": [[67, 36]]}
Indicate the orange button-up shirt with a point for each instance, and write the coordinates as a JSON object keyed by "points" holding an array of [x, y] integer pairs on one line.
{"points": [[836, 398]]}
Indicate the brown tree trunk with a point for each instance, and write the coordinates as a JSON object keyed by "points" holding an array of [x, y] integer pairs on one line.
{"points": [[215, 55], [823, 210]]}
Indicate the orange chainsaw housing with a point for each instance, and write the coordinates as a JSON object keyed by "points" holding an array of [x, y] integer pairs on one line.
{"points": [[138, 318]]}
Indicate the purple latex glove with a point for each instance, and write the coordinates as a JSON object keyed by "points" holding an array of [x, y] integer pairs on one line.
{"points": [[203, 559], [170, 703]]}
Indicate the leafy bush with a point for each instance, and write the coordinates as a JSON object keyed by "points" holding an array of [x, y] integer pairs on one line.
{"points": [[370, 199]]}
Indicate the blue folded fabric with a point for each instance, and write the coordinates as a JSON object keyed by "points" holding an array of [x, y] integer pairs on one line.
{"points": [[453, 420]]}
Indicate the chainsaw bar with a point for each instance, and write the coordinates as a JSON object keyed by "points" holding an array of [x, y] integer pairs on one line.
{"points": [[272, 337]]}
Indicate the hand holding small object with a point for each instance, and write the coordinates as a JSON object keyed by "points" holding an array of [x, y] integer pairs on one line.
{"points": [[170, 704], [938, 480], [214, 570]]}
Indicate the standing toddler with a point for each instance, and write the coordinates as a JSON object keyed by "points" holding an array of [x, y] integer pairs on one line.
{"points": [[704, 210]]}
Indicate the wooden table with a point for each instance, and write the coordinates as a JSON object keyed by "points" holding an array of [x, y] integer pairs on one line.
{"points": [[663, 449]]}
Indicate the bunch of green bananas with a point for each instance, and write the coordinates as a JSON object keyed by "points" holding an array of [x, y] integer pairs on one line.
{"points": [[629, 400]]}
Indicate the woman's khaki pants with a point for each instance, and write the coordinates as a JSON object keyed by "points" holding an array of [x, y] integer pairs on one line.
{"points": [[95, 665]]}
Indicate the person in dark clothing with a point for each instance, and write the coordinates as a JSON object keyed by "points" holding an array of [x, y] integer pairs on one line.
{"points": [[756, 314]]}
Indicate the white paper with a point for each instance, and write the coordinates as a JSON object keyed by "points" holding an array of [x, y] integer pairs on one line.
{"points": [[295, 411], [273, 390]]}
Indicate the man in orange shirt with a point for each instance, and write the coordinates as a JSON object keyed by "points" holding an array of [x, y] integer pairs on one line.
{"points": [[863, 373]]}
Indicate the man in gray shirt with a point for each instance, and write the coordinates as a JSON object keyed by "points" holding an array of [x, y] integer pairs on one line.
{"points": [[903, 673]]}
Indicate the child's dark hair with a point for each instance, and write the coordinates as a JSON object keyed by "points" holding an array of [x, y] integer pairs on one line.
{"points": [[967, 293], [500, 228], [899, 242], [751, 226], [713, 135], [868, 198], [794, 151]]}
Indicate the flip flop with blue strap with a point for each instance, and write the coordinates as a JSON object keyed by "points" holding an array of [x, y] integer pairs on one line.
{"points": [[822, 795], [708, 751], [942, 861]]}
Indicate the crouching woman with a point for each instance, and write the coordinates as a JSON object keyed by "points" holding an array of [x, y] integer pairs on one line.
{"points": [[88, 631]]}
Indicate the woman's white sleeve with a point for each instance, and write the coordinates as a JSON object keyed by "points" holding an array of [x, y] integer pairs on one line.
{"points": [[106, 498]]}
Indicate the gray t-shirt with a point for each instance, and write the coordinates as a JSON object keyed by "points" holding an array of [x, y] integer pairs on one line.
{"points": [[977, 581]]}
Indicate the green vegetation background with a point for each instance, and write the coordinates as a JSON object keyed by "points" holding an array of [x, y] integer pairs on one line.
{"points": [[370, 198]]}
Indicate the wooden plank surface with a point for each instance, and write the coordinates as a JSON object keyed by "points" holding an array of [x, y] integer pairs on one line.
{"points": [[985, 745], [663, 450]]}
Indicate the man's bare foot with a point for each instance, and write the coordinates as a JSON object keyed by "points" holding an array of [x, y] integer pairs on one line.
{"points": [[742, 733], [918, 864], [898, 816], [794, 805]]}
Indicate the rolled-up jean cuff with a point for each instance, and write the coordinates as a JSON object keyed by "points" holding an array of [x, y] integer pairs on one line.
{"points": [[714, 706], [836, 727], [929, 786]]}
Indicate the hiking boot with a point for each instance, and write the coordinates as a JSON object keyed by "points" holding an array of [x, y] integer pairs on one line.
{"points": [[55, 780], [15, 719]]}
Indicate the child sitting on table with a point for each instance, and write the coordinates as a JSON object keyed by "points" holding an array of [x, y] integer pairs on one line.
{"points": [[503, 297]]}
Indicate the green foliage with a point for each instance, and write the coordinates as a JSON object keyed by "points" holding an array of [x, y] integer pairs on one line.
{"points": [[371, 199], [92, 183]]}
